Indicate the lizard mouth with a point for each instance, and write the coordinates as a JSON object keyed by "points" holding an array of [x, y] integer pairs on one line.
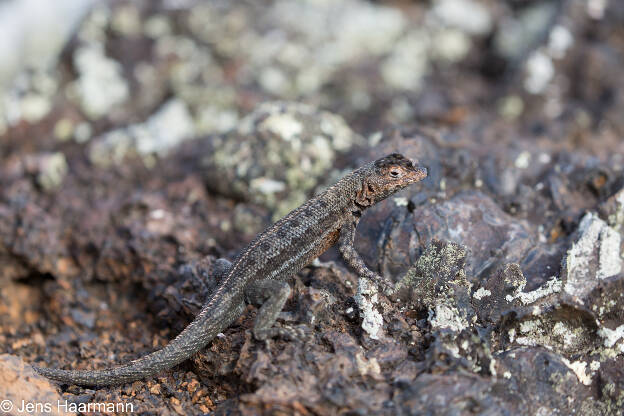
{"points": [[418, 174]]}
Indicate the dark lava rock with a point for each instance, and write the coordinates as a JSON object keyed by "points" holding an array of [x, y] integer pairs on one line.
{"points": [[168, 134], [471, 219]]}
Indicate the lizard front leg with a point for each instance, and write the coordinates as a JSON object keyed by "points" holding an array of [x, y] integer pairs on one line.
{"points": [[353, 259], [271, 295]]}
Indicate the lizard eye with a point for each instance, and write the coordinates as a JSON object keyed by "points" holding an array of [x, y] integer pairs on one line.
{"points": [[395, 173]]}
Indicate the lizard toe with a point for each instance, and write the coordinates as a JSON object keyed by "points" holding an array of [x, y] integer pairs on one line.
{"points": [[286, 332]]}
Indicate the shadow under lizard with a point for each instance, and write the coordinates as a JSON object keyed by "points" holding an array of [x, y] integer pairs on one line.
{"points": [[257, 274]]}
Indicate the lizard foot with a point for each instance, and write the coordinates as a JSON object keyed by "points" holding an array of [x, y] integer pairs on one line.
{"points": [[286, 332], [386, 286]]}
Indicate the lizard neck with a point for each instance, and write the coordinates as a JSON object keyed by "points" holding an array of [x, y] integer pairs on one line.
{"points": [[344, 194]]}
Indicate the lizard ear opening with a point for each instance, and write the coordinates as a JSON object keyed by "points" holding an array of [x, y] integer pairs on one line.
{"points": [[364, 197]]}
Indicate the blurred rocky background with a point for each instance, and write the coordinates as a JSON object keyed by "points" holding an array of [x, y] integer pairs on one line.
{"points": [[142, 140]]}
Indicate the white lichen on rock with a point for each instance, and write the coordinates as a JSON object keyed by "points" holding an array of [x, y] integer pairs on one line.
{"points": [[63, 129], [406, 66], [559, 41], [616, 219], [595, 255], [34, 107], [564, 332], [579, 368], [283, 125], [266, 185], [612, 336], [481, 293], [292, 144], [367, 299], [29, 98], [100, 85], [548, 288], [33, 34], [165, 129], [468, 15], [297, 60], [366, 366], [451, 45], [447, 317], [540, 71], [610, 261], [530, 326], [53, 169], [400, 201], [523, 160]]}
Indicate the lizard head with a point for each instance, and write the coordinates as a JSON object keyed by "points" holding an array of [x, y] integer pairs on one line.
{"points": [[387, 176]]}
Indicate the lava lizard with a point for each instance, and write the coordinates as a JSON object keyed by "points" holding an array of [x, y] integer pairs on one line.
{"points": [[257, 274]]}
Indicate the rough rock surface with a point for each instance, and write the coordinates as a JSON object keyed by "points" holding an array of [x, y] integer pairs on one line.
{"points": [[168, 134]]}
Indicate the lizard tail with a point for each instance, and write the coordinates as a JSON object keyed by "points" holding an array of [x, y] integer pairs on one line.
{"points": [[193, 338]]}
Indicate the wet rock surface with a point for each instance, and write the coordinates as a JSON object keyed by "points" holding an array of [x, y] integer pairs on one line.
{"points": [[168, 134]]}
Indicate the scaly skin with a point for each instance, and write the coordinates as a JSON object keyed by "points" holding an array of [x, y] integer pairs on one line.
{"points": [[258, 273]]}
